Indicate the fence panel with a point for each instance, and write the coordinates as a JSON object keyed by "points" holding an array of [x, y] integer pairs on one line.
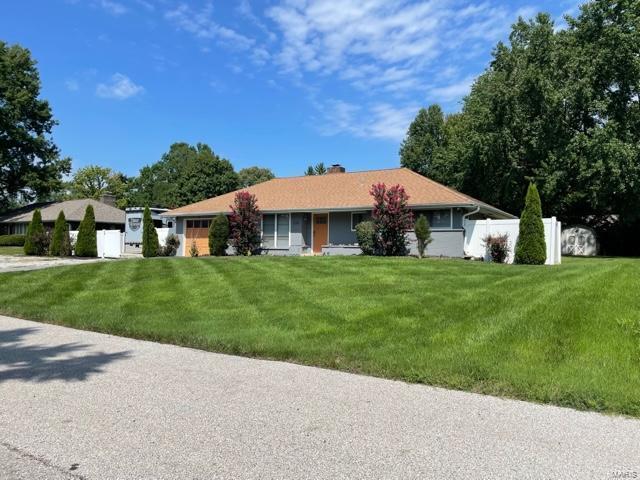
{"points": [[477, 230]]}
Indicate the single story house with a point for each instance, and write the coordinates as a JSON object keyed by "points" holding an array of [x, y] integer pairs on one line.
{"points": [[108, 217], [318, 214]]}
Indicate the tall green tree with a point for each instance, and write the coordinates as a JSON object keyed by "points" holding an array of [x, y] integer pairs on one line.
{"points": [[86, 242], [253, 175], [317, 169], [94, 181], [60, 245], [150, 242], [185, 174], [424, 139], [560, 107], [33, 244], [531, 248], [30, 163]]}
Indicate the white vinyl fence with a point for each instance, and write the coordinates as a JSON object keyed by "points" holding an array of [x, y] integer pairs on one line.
{"points": [[477, 230], [163, 233], [110, 242]]}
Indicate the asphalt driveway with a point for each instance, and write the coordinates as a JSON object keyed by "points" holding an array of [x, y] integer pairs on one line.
{"points": [[91, 406]]}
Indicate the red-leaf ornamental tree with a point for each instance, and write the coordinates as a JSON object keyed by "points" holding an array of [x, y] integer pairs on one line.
{"points": [[392, 219], [244, 223]]}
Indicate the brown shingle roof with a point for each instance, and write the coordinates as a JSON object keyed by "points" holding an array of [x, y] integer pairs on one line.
{"points": [[73, 212], [336, 191]]}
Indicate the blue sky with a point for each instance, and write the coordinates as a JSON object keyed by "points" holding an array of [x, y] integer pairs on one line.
{"points": [[281, 84]]}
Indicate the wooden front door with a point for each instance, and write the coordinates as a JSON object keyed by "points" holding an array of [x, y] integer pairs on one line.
{"points": [[320, 231], [197, 232]]}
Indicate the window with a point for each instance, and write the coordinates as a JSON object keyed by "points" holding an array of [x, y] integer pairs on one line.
{"points": [[197, 223], [268, 231], [275, 230], [440, 219], [283, 231], [358, 217]]}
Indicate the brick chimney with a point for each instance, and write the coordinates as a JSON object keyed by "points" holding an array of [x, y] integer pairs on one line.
{"points": [[108, 199], [336, 168]]}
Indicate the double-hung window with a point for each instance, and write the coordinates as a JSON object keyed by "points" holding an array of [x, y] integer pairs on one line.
{"points": [[275, 230]]}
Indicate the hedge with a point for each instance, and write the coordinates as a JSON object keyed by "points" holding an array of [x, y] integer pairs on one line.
{"points": [[12, 240]]}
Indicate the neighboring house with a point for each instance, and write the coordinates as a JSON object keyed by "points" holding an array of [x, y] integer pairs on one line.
{"points": [[318, 214], [134, 218], [108, 217]]}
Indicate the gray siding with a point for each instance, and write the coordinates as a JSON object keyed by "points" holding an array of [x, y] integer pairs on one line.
{"points": [[180, 223], [340, 229], [445, 244]]}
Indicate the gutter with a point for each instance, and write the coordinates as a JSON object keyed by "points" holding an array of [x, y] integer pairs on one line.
{"points": [[464, 218]]}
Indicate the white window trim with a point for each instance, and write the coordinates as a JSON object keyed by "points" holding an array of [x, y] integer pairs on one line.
{"points": [[356, 211], [275, 231]]}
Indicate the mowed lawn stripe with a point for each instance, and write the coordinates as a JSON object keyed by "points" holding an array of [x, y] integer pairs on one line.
{"points": [[568, 335]]}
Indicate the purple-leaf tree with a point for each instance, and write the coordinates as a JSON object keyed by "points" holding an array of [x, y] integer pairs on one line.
{"points": [[244, 223], [392, 219]]}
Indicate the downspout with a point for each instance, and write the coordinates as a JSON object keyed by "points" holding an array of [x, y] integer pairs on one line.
{"points": [[464, 218]]}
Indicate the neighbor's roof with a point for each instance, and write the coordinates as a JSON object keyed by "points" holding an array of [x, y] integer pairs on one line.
{"points": [[73, 212], [338, 191]]}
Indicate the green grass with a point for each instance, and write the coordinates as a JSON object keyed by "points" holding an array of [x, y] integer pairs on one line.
{"points": [[568, 335], [11, 251]]}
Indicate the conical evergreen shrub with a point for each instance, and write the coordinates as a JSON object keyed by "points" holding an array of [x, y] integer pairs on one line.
{"points": [[87, 244], [219, 235], [60, 244], [150, 243], [531, 248], [33, 244]]}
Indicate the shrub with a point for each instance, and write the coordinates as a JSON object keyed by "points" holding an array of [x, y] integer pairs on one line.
{"points": [[86, 242], [36, 240], [423, 234], [245, 224], [170, 246], [391, 218], [150, 243], [531, 248], [497, 247], [12, 240], [60, 241], [366, 235], [219, 235], [193, 251]]}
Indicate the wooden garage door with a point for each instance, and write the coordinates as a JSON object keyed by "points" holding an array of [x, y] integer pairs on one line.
{"points": [[197, 231]]}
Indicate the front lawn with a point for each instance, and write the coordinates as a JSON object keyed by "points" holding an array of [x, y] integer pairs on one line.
{"points": [[568, 335]]}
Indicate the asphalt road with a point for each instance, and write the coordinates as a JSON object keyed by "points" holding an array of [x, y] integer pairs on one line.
{"points": [[81, 405]]}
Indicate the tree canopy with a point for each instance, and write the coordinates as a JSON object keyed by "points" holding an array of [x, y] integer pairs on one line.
{"points": [[30, 163], [185, 174], [93, 181], [253, 175], [559, 107]]}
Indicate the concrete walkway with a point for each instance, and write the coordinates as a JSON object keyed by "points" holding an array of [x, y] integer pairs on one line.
{"points": [[90, 406], [17, 263]]}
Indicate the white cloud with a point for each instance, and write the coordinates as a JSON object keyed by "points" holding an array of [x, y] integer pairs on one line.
{"points": [[72, 85], [120, 88], [452, 91], [114, 8], [389, 46], [378, 120], [201, 25]]}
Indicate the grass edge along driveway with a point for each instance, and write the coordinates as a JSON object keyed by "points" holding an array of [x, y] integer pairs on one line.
{"points": [[567, 335]]}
